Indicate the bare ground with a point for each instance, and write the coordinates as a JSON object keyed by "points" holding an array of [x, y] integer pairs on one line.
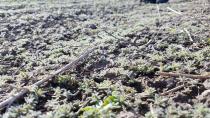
{"points": [[119, 79]]}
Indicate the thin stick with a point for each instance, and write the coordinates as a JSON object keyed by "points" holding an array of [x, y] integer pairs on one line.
{"points": [[111, 34], [13, 98], [173, 90], [189, 35], [179, 13], [202, 77]]}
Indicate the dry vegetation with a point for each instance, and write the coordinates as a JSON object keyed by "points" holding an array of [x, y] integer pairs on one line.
{"points": [[151, 60]]}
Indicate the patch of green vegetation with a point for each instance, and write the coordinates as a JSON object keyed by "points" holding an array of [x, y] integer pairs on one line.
{"points": [[173, 67], [24, 110], [162, 45], [149, 91], [208, 41], [67, 81], [105, 108], [198, 111], [39, 92], [183, 54], [4, 79], [104, 84], [144, 69], [157, 57], [60, 111], [19, 111]]}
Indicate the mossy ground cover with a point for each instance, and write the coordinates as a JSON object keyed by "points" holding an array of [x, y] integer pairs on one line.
{"points": [[119, 79]]}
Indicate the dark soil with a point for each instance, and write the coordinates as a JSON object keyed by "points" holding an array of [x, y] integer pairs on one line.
{"points": [[119, 79]]}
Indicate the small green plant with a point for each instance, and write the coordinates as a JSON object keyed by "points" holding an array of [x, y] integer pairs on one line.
{"points": [[67, 81], [157, 57], [104, 84], [144, 69], [149, 91], [104, 109], [60, 111], [173, 67], [160, 101], [201, 111], [183, 54], [39, 92], [208, 41], [18, 111]]}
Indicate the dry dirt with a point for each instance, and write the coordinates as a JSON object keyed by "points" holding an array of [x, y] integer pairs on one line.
{"points": [[119, 79]]}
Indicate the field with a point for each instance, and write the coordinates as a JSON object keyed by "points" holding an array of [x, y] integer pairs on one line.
{"points": [[149, 60]]}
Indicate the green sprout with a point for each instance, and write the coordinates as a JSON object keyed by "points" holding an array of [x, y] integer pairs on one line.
{"points": [[105, 108]]}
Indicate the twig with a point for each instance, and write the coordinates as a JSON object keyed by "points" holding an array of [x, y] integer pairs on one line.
{"points": [[173, 90], [189, 35], [13, 98], [179, 13], [111, 34], [202, 77], [183, 75]]}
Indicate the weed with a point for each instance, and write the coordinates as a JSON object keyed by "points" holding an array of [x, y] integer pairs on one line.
{"points": [[157, 57], [67, 81], [104, 108], [173, 67], [144, 69]]}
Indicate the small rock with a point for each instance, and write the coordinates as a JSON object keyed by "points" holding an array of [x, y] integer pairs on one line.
{"points": [[92, 26], [206, 84]]}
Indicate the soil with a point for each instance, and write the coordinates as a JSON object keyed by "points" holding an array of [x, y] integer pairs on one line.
{"points": [[135, 40]]}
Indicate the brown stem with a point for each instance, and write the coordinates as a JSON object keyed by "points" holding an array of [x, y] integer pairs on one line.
{"points": [[202, 77], [13, 98], [173, 90]]}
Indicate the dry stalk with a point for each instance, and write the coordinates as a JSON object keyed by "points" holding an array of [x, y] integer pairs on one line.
{"points": [[202, 77], [173, 90], [170, 74], [189, 35], [179, 13], [13, 98]]}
